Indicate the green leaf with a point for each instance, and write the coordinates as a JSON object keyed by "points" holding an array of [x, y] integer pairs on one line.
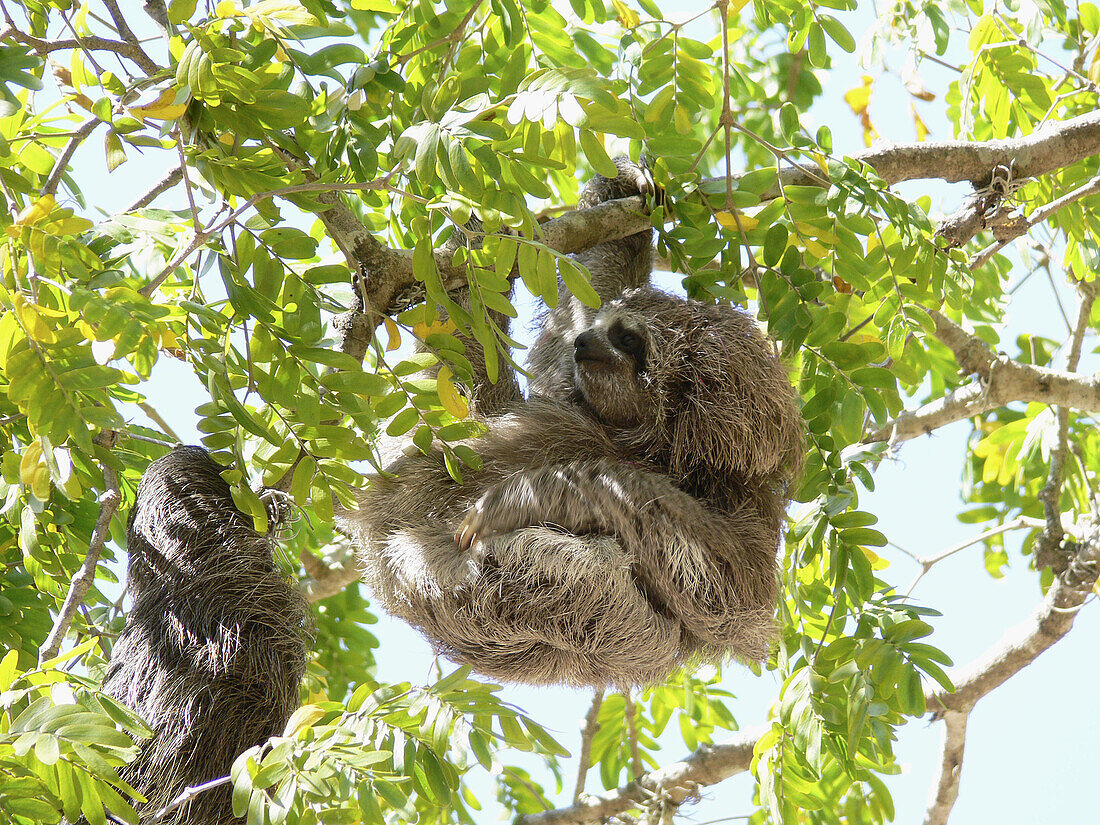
{"points": [[837, 32], [597, 156], [577, 282]]}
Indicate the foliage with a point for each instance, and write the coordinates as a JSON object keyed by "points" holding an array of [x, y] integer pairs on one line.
{"points": [[421, 115]]}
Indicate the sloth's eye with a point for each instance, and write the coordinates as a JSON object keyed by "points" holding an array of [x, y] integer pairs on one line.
{"points": [[628, 341]]}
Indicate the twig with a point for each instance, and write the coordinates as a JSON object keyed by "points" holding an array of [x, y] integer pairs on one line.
{"points": [[927, 562], [165, 183], [62, 164], [588, 732], [188, 794], [139, 56], [1051, 494], [947, 788], [205, 235], [1088, 291], [631, 712], [82, 581], [150, 411]]}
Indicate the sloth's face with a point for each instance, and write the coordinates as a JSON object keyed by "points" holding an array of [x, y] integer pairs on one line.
{"points": [[609, 361]]}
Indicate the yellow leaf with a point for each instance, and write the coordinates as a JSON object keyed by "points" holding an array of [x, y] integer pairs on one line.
{"points": [[627, 16], [804, 228], [821, 161], [859, 97], [449, 396], [393, 334], [727, 221], [1094, 67], [285, 12], [814, 248], [737, 5], [29, 462], [169, 104], [922, 128], [377, 6], [877, 561], [38, 210], [168, 339], [35, 325], [444, 325], [303, 718], [226, 8]]}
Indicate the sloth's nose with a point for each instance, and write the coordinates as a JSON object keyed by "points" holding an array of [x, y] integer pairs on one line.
{"points": [[584, 345]]}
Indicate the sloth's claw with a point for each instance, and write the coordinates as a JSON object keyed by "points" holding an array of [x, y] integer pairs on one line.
{"points": [[467, 534]]}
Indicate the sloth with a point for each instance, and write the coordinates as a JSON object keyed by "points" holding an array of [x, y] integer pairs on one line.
{"points": [[214, 649], [626, 516]]}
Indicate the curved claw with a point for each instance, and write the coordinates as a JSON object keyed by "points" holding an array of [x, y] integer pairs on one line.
{"points": [[467, 533]]}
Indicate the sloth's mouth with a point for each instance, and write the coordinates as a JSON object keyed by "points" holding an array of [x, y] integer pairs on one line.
{"points": [[592, 357]]}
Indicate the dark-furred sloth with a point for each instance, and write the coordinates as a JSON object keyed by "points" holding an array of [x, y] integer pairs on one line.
{"points": [[627, 516], [213, 650]]}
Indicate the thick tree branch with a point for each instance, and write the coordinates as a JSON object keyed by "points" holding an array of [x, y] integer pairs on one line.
{"points": [[676, 782], [1052, 620], [389, 272], [1001, 380], [1054, 147], [325, 580], [1009, 381], [1021, 646], [947, 788]]}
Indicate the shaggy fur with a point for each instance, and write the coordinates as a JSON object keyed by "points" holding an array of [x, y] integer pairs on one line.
{"points": [[213, 651], [626, 518]]}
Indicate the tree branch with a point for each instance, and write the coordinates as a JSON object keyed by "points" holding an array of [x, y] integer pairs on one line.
{"points": [[91, 42], [1052, 620], [61, 166], [676, 782], [588, 732], [1046, 150], [947, 789], [325, 580], [82, 581], [1002, 380], [1036, 217], [162, 186], [927, 562], [139, 56]]}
